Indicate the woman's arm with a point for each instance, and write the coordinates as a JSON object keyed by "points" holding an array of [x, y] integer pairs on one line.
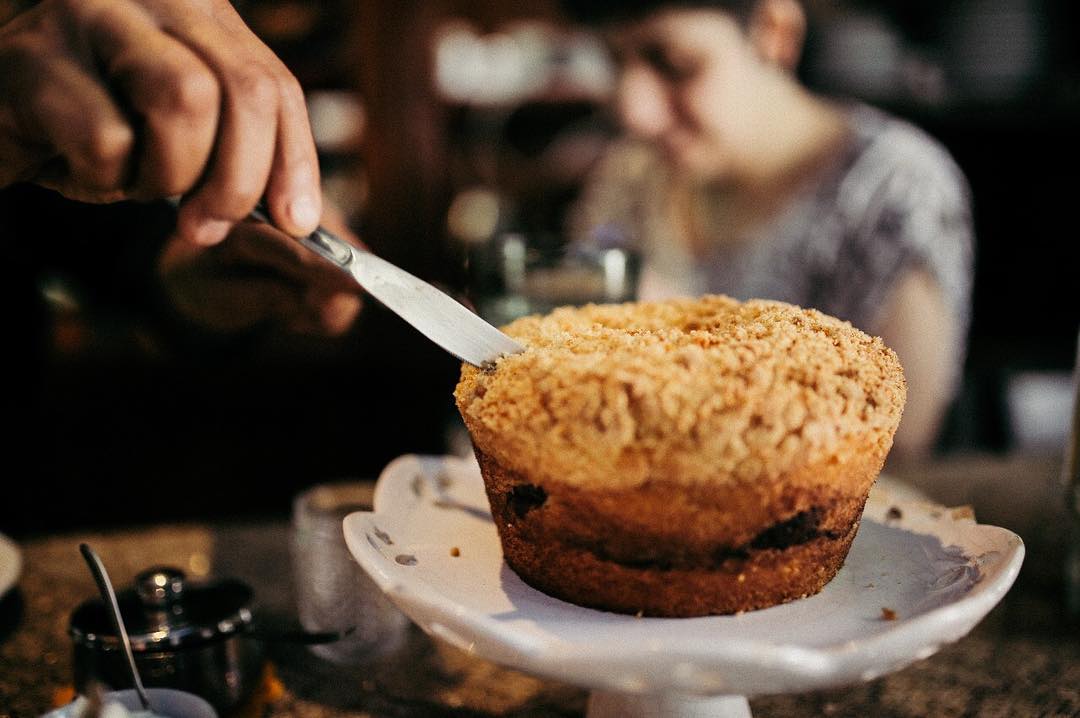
{"points": [[917, 323]]}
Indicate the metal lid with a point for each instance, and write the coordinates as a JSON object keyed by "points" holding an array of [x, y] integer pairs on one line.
{"points": [[162, 611]]}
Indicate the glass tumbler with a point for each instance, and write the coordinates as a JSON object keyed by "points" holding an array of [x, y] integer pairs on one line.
{"points": [[539, 273], [333, 592]]}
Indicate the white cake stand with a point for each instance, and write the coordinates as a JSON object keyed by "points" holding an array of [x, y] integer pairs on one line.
{"points": [[918, 576]]}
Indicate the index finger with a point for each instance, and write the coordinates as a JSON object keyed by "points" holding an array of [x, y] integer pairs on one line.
{"points": [[174, 94], [292, 190], [264, 146]]}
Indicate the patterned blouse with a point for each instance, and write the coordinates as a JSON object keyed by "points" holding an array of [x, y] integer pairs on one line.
{"points": [[893, 200]]}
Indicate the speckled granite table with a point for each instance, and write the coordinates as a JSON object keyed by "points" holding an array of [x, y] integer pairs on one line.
{"points": [[1023, 660]]}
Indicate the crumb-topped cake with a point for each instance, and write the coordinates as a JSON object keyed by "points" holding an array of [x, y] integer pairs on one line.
{"points": [[685, 457]]}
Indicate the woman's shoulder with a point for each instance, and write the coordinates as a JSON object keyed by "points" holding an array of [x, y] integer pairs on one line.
{"points": [[885, 144], [893, 163]]}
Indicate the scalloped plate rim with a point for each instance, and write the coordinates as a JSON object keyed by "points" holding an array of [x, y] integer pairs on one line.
{"points": [[803, 667]]}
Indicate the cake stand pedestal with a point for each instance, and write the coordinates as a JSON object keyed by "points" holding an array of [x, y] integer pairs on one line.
{"points": [[918, 576]]}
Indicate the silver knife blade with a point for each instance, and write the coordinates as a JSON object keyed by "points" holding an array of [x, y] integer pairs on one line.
{"points": [[436, 315]]}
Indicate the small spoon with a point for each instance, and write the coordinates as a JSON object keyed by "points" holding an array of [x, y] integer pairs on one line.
{"points": [[95, 699], [101, 576]]}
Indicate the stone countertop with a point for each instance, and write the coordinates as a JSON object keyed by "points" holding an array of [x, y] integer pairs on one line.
{"points": [[1023, 659]]}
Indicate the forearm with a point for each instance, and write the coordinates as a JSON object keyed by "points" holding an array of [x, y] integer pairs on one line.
{"points": [[919, 326]]}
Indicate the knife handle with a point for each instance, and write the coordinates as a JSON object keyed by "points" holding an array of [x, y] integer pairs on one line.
{"points": [[320, 241]]}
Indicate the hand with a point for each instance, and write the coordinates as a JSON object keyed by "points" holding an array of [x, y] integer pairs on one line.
{"points": [[260, 276], [112, 99]]}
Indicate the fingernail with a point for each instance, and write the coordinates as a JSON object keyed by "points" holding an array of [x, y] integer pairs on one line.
{"points": [[304, 212], [212, 231]]}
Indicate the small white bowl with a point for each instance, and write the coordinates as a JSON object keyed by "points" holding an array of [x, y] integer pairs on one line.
{"points": [[165, 702]]}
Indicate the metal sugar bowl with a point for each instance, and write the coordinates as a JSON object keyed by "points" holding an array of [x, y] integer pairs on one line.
{"points": [[192, 637]]}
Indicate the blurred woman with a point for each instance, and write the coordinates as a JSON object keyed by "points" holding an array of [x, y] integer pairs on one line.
{"points": [[734, 178]]}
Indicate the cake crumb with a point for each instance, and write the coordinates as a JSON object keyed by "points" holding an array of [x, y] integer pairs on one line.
{"points": [[887, 614], [640, 613], [894, 514], [455, 551], [963, 512]]}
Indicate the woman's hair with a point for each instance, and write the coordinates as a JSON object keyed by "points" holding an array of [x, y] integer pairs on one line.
{"points": [[604, 12]]}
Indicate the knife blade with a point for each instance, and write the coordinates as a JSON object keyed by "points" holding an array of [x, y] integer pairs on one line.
{"points": [[435, 314]]}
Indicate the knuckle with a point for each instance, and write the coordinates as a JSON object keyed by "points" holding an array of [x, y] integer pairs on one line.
{"points": [[194, 92], [108, 144], [255, 87], [292, 95]]}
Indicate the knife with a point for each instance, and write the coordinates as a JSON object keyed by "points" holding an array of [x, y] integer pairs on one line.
{"points": [[436, 315], [433, 313]]}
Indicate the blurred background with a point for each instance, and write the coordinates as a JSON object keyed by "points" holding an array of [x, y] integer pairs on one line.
{"points": [[455, 135]]}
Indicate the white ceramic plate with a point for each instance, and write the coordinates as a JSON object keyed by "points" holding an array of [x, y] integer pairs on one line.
{"points": [[10, 564], [936, 570], [163, 701]]}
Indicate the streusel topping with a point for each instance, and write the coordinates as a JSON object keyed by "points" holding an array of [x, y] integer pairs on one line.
{"points": [[686, 390]]}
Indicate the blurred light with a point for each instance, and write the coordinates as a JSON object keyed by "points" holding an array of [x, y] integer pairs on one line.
{"points": [[1040, 408], [614, 263], [519, 61], [59, 295], [515, 260], [337, 120], [587, 64], [459, 62], [474, 215], [506, 76]]}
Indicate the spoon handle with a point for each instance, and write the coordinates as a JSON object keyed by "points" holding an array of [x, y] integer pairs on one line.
{"points": [[101, 576]]}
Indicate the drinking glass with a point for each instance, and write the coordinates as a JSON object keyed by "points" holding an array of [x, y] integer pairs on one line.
{"points": [[537, 273], [333, 592]]}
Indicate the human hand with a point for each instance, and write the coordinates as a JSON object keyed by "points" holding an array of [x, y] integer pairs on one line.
{"points": [[112, 99], [260, 276]]}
